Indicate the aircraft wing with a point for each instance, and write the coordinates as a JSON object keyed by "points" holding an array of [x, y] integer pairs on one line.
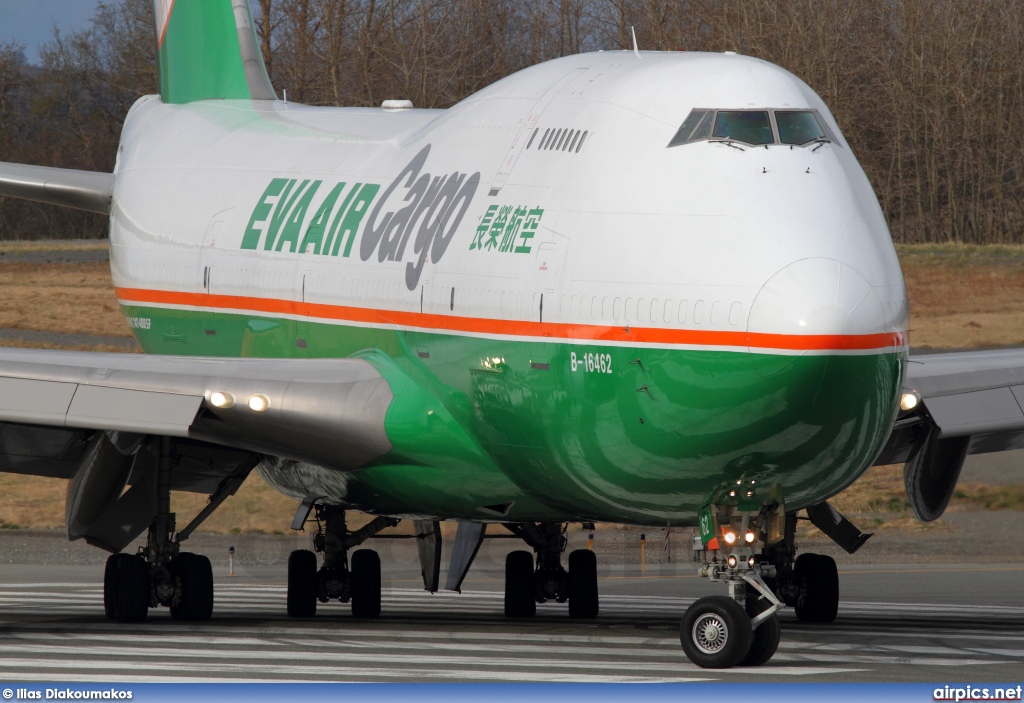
{"points": [[974, 395], [969, 403], [328, 412], [85, 190]]}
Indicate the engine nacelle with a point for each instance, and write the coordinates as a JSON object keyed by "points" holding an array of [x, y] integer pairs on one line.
{"points": [[931, 472]]}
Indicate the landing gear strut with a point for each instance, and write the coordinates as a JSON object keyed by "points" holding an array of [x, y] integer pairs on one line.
{"points": [[719, 632], [160, 573], [356, 581], [525, 585], [746, 632]]}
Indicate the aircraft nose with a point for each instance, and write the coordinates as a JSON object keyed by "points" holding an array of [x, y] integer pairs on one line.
{"points": [[817, 304]]}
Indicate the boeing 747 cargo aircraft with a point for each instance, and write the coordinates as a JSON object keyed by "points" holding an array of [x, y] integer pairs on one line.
{"points": [[627, 287]]}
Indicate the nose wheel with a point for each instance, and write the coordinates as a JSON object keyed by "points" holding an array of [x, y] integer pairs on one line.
{"points": [[715, 632]]}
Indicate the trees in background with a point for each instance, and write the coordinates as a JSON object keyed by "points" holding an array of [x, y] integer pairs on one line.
{"points": [[929, 93]]}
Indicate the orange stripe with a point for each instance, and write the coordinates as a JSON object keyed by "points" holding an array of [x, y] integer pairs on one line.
{"points": [[519, 328]]}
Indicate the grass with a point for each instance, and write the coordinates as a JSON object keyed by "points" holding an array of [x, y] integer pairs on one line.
{"points": [[67, 298], [964, 297], [21, 245]]}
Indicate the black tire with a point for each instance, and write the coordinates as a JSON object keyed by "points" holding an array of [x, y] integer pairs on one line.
{"points": [[583, 600], [131, 589], [715, 633], [194, 575], [302, 584], [819, 588], [365, 576], [110, 585], [766, 636], [520, 585]]}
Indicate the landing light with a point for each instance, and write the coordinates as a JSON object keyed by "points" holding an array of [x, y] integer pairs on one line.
{"points": [[221, 399], [750, 537], [259, 402], [909, 400], [730, 537]]}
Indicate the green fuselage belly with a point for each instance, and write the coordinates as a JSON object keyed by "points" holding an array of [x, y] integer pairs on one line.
{"points": [[647, 442]]}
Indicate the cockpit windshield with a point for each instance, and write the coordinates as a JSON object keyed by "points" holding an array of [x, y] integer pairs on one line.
{"points": [[798, 127], [748, 126], [754, 127]]}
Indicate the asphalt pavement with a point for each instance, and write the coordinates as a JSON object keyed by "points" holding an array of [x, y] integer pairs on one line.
{"points": [[897, 622]]}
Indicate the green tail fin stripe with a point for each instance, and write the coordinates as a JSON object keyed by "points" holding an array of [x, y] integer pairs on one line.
{"points": [[207, 49]]}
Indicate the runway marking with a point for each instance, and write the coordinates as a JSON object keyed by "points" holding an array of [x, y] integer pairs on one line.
{"points": [[58, 631]]}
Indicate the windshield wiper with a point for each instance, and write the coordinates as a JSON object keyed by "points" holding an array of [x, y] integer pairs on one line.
{"points": [[728, 143]]}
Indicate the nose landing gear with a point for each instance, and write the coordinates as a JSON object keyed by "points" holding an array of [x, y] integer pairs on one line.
{"points": [[713, 634], [719, 632]]}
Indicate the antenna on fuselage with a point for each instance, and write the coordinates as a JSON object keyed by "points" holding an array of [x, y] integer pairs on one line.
{"points": [[636, 50]]}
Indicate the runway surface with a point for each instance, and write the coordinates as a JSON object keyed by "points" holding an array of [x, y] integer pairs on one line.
{"points": [[57, 632]]}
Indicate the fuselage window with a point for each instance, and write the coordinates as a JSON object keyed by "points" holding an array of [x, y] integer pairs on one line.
{"points": [[798, 127], [532, 137], [748, 126], [580, 145]]}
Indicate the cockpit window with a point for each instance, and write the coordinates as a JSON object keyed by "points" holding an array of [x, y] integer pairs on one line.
{"points": [[749, 126], [755, 127], [693, 120], [798, 127]]}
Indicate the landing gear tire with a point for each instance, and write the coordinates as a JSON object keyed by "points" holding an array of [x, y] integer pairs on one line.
{"points": [[715, 633], [819, 588], [583, 601], [520, 585], [365, 575], [194, 575], [765, 639], [110, 584], [302, 584], [130, 592]]}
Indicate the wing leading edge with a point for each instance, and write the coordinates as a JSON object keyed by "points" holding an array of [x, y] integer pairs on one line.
{"points": [[84, 190], [328, 412]]}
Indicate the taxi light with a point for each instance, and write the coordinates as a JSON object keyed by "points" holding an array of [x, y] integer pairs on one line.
{"points": [[730, 537], [750, 562], [259, 402], [221, 399], [750, 537], [732, 561], [909, 400]]}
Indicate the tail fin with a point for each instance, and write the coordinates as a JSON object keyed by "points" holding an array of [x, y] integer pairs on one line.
{"points": [[207, 49]]}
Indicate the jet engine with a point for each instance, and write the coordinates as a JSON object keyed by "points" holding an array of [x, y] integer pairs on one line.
{"points": [[931, 472]]}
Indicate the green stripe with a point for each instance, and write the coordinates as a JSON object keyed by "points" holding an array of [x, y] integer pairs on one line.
{"points": [[647, 443]]}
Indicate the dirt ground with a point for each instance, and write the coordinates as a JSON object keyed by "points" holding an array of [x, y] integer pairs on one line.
{"points": [[59, 295]]}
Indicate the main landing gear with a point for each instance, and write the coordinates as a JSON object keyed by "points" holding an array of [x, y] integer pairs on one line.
{"points": [[529, 581], [356, 581], [160, 573], [742, 629]]}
